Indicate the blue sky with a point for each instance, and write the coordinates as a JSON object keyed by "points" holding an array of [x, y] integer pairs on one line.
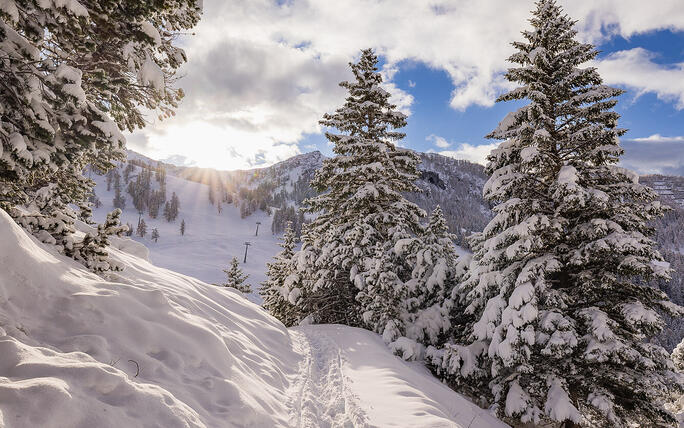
{"points": [[643, 114], [262, 73]]}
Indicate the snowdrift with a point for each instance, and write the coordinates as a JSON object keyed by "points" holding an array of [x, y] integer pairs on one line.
{"points": [[71, 345], [154, 348]]}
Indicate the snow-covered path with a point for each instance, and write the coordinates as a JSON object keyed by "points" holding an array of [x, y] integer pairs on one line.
{"points": [[348, 378], [321, 396]]}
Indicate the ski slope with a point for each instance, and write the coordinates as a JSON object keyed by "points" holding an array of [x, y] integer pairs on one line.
{"points": [[211, 238], [149, 347]]}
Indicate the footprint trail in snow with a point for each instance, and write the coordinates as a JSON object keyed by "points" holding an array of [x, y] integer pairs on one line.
{"points": [[322, 396]]}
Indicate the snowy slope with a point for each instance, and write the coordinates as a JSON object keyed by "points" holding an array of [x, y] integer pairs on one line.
{"points": [[211, 239], [154, 348]]}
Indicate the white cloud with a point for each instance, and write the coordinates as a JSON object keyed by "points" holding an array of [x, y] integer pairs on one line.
{"points": [[635, 69], [261, 74], [469, 152], [402, 99], [657, 138], [438, 141]]}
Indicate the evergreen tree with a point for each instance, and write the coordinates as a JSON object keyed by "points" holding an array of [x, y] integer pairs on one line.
{"points": [[92, 250], [155, 200], [678, 357], [63, 106], [360, 202], [127, 172], [174, 207], [235, 278], [551, 319], [384, 295], [119, 199], [434, 273], [167, 211], [110, 177], [407, 286], [142, 228], [85, 213], [275, 290], [182, 227], [112, 226], [93, 199], [155, 234]]}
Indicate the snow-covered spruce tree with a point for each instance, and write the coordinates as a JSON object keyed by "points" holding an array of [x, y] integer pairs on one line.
{"points": [[72, 75], [92, 250], [360, 201], [555, 321], [431, 261], [677, 405], [141, 231], [275, 290], [235, 278], [384, 297], [407, 286], [85, 211]]}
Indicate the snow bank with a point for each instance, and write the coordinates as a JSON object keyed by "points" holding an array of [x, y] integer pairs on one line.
{"points": [[71, 345], [154, 348]]}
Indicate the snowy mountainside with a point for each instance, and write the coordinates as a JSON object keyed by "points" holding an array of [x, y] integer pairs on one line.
{"points": [[148, 347], [211, 238], [670, 239], [455, 185]]}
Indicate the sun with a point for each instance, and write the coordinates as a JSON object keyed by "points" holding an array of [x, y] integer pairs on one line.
{"points": [[207, 145]]}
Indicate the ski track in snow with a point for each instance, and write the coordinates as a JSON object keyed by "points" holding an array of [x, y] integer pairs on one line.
{"points": [[321, 396]]}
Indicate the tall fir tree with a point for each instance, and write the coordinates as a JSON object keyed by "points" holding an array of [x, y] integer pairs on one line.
{"points": [[360, 202], [275, 291], [85, 212], [552, 321], [235, 277], [167, 211]]}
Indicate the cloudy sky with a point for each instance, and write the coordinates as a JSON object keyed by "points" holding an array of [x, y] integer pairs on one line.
{"points": [[261, 73]]}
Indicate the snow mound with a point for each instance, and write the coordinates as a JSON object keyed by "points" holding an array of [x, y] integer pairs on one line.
{"points": [[72, 344], [154, 348]]}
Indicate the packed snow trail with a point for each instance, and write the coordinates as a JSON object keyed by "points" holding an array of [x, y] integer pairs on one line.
{"points": [[347, 377], [321, 396]]}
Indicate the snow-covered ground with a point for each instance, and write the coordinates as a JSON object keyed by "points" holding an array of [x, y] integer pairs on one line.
{"points": [[154, 348], [211, 239]]}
